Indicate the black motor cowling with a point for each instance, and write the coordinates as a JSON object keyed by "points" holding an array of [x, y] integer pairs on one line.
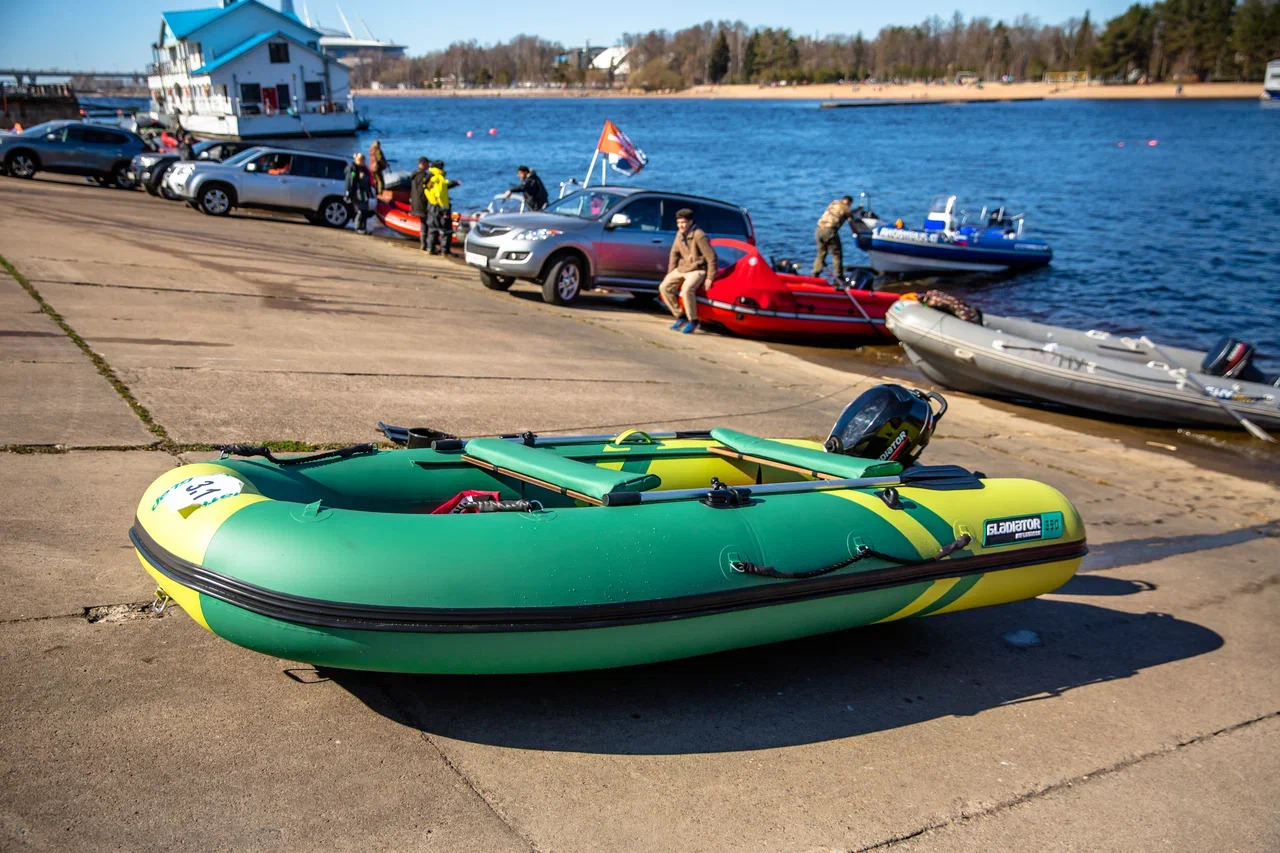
{"points": [[889, 423], [1232, 358]]}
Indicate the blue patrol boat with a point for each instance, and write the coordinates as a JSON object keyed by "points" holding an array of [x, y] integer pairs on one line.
{"points": [[948, 243]]}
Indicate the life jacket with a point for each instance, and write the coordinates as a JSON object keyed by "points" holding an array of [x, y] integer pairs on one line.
{"points": [[438, 188]]}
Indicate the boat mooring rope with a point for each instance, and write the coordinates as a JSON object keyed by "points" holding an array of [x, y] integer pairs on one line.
{"points": [[265, 452], [749, 568]]}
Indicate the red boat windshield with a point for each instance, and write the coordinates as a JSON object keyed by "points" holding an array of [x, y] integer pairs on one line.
{"points": [[730, 252]]}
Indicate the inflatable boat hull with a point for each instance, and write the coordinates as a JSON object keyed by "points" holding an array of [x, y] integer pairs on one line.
{"points": [[336, 563], [1006, 357], [751, 299]]}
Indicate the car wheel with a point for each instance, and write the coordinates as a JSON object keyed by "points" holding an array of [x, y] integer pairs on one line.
{"points": [[495, 282], [21, 164], [156, 185], [334, 212], [564, 281], [214, 200], [152, 188], [120, 176]]}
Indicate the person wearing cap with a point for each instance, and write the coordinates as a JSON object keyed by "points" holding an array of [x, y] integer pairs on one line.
{"points": [[357, 191], [690, 267], [439, 213], [531, 187], [377, 165], [837, 213], [418, 198]]}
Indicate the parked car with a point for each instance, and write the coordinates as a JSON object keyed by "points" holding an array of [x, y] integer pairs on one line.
{"points": [[72, 148], [269, 178], [148, 168], [614, 237]]}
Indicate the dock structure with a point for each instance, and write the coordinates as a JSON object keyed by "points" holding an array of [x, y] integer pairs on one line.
{"points": [[917, 102]]}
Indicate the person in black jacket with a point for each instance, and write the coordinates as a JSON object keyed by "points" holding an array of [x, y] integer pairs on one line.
{"points": [[531, 187], [358, 190], [418, 199]]}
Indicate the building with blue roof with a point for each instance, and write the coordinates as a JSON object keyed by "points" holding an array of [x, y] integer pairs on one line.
{"points": [[245, 70]]}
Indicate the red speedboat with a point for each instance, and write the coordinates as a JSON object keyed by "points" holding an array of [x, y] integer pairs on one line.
{"points": [[396, 212], [751, 299]]}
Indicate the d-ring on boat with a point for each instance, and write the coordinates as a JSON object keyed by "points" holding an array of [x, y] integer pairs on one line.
{"points": [[546, 553]]}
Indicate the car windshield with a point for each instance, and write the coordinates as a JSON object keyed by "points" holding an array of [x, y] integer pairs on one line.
{"points": [[41, 129], [584, 204], [243, 157]]}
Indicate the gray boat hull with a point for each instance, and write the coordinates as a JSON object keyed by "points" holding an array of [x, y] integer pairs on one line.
{"points": [[1007, 357]]}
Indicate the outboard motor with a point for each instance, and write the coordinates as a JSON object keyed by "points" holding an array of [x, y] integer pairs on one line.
{"points": [[889, 423], [1233, 359]]}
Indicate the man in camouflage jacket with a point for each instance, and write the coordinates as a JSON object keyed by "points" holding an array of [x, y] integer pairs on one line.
{"points": [[837, 213]]}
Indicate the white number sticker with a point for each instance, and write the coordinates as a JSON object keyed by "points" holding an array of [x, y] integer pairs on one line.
{"points": [[199, 491]]}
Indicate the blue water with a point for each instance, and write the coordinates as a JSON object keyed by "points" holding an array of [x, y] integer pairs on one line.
{"points": [[1176, 239]]}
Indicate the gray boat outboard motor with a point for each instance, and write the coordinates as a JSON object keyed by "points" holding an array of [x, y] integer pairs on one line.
{"points": [[1233, 359], [889, 423]]}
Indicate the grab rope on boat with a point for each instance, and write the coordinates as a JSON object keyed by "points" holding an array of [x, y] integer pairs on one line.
{"points": [[747, 567], [265, 452]]}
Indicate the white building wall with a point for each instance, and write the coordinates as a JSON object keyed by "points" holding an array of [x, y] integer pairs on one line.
{"points": [[204, 94], [303, 66]]}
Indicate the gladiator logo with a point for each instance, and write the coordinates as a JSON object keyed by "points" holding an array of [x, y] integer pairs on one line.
{"points": [[893, 449], [1022, 528]]}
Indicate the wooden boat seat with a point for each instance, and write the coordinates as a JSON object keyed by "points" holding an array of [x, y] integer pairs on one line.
{"points": [[578, 480], [805, 460]]}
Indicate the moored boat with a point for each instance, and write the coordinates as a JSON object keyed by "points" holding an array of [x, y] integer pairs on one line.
{"points": [[1095, 370], [1271, 83], [948, 244], [536, 554], [750, 298]]}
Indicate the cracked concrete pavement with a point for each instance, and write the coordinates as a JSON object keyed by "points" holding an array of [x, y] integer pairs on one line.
{"points": [[1147, 719]]}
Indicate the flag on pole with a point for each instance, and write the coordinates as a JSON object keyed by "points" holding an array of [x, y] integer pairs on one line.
{"points": [[622, 152]]}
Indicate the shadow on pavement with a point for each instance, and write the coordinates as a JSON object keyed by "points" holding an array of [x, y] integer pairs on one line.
{"points": [[1132, 552], [805, 691]]}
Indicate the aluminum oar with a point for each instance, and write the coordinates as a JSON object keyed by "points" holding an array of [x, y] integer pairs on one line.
{"points": [[1254, 430]]}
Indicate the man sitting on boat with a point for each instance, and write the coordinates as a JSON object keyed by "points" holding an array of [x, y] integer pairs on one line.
{"points": [[837, 213], [691, 267]]}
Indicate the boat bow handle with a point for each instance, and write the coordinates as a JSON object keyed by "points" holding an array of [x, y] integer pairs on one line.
{"points": [[633, 436]]}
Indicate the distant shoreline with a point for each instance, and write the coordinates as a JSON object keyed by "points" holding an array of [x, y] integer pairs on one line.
{"points": [[884, 91]]}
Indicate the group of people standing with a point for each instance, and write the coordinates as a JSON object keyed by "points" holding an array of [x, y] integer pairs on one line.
{"points": [[429, 201], [691, 265]]}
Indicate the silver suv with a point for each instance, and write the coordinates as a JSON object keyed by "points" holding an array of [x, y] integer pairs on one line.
{"points": [[613, 237], [72, 148], [269, 178]]}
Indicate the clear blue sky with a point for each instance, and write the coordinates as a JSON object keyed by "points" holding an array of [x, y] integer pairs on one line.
{"points": [[115, 35]]}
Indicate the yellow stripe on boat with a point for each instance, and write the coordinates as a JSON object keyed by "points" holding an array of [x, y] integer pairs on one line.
{"points": [[936, 590]]}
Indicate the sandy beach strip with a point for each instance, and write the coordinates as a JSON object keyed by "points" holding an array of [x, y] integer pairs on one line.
{"points": [[879, 91]]}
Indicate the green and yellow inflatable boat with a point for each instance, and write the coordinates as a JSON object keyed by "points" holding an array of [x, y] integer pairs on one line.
{"points": [[585, 552]]}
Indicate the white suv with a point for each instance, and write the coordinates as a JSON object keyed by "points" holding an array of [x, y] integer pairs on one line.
{"points": [[269, 178]]}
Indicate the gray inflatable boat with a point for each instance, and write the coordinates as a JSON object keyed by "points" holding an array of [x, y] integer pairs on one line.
{"points": [[1008, 357]]}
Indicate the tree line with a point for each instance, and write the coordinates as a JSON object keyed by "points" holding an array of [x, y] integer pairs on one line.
{"points": [[1168, 40]]}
